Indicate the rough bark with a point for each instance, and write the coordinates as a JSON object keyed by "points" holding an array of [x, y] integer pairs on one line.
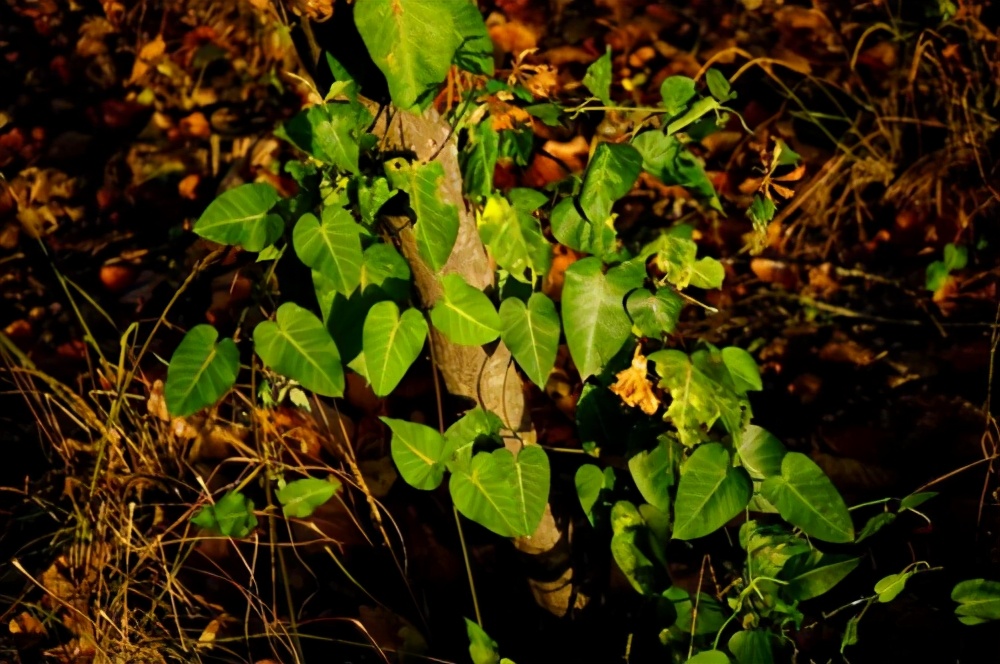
{"points": [[486, 375]]}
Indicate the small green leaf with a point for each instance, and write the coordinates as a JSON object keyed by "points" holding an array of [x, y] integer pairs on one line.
{"points": [[889, 587], [371, 197], [241, 216], [413, 42], [482, 649], [654, 473], [675, 93], [464, 313], [531, 332], [391, 344], [436, 227], [656, 314], [710, 492], [915, 500], [812, 573], [548, 113], [594, 316], [752, 646], [332, 247], [612, 171], [598, 77], [743, 369], [718, 85], [480, 159], [232, 516], [419, 453], [707, 273], [200, 371], [761, 211], [760, 452], [807, 499], [709, 657], [300, 498], [514, 238], [875, 524], [575, 231], [589, 481], [329, 132], [978, 601], [786, 155], [476, 429], [298, 346], [697, 110], [504, 493]]}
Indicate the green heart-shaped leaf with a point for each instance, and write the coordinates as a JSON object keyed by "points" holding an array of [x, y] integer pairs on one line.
{"points": [[612, 171], [464, 314], [710, 493], [297, 345], [812, 573], [504, 493], [515, 239], [436, 226], [807, 499], [476, 426], [241, 216], [419, 452], [391, 344], [332, 247], [594, 316], [200, 371], [412, 42], [232, 516], [531, 332], [300, 498]]}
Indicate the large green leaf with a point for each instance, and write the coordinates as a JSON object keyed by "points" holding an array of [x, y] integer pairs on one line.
{"points": [[332, 247], [594, 317], [242, 216], [515, 240], [437, 222], [807, 499], [419, 452], [812, 573], [232, 516], [710, 493], [298, 346], [200, 371], [300, 498], [412, 42], [742, 369], [504, 493], [978, 601], [391, 344], [888, 587], [709, 657], [628, 548], [531, 332], [612, 171], [654, 473], [329, 132], [475, 430], [577, 232], [464, 314], [344, 317]]}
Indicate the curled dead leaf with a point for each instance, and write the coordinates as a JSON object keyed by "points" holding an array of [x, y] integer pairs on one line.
{"points": [[634, 387]]}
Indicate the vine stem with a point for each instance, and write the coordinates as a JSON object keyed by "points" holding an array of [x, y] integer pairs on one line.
{"points": [[458, 520]]}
